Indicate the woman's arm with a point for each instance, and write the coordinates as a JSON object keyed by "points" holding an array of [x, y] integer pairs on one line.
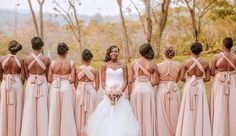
{"points": [[73, 74], [25, 67], [155, 75], [97, 80], [213, 66], [50, 73], [125, 73], [1, 70], [103, 76], [183, 72], [130, 79], [22, 72], [178, 76], [207, 73], [76, 78]]}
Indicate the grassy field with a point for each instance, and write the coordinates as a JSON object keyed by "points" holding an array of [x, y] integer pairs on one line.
{"points": [[98, 64]]}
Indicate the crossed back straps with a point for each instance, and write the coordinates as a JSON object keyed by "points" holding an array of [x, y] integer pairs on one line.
{"points": [[138, 67], [228, 60], [86, 71], [196, 63], [37, 60], [169, 71], [5, 61]]}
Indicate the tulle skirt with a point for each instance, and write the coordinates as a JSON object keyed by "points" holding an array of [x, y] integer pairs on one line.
{"points": [[223, 104], [194, 119], [113, 120]]}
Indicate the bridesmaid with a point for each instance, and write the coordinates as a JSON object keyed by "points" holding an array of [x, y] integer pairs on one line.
{"points": [[12, 76], [35, 114], [87, 84], [142, 79], [223, 95], [61, 74], [167, 94], [194, 117]]}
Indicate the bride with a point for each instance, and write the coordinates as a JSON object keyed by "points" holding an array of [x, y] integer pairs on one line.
{"points": [[113, 116]]}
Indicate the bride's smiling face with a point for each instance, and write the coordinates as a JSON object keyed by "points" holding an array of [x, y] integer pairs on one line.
{"points": [[114, 53]]}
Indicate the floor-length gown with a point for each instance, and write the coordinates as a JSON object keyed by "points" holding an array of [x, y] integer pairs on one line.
{"points": [[35, 113], [142, 101], [11, 104], [223, 102], [113, 120], [61, 112], [86, 99], [194, 119], [167, 102]]}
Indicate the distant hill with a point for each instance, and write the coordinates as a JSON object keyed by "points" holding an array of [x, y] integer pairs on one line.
{"points": [[7, 19]]}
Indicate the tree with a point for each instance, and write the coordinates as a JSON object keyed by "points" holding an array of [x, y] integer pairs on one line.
{"points": [[147, 4], [124, 33], [70, 15], [161, 24], [140, 16], [198, 10], [38, 29]]}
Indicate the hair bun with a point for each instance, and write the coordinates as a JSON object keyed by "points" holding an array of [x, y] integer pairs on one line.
{"points": [[62, 48], [14, 46], [169, 52]]}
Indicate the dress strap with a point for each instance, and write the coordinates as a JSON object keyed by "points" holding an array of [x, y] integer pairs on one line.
{"points": [[5, 61], [137, 66], [196, 63], [228, 60], [169, 71], [36, 59], [86, 70]]}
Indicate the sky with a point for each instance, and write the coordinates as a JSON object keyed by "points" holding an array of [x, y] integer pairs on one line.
{"points": [[88, 7]]}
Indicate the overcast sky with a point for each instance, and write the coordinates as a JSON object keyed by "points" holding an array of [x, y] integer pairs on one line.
{"points": [[89, 7]]}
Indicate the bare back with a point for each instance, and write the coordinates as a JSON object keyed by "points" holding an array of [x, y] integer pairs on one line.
{"points": [[169, 70], [195, 67], [225, 62], [147, 65], [62, 67], [37, 65], [196, 70], [11, 64]]}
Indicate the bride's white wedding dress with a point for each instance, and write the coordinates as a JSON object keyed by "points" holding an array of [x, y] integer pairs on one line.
{"points": [[113, 120]]}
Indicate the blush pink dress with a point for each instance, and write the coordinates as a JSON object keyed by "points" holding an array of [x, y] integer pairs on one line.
{"points": [[223, 102], [86, 99], [35, 113], [142, 101], [167, 100], [194, 119], [61, 108], [11, 104]]}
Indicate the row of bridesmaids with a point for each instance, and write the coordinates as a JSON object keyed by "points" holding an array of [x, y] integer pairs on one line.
{"points": [[152, 91]]}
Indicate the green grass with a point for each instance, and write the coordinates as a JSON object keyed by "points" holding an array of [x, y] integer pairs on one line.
{"points": [[98, 64]]}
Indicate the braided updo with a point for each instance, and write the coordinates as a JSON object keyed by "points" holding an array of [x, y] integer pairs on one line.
{"points": [[14, 46], [169, 52], [62, 48]]}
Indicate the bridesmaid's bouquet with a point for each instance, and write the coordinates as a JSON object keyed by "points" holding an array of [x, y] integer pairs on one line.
{"points": [[114, 93]]}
